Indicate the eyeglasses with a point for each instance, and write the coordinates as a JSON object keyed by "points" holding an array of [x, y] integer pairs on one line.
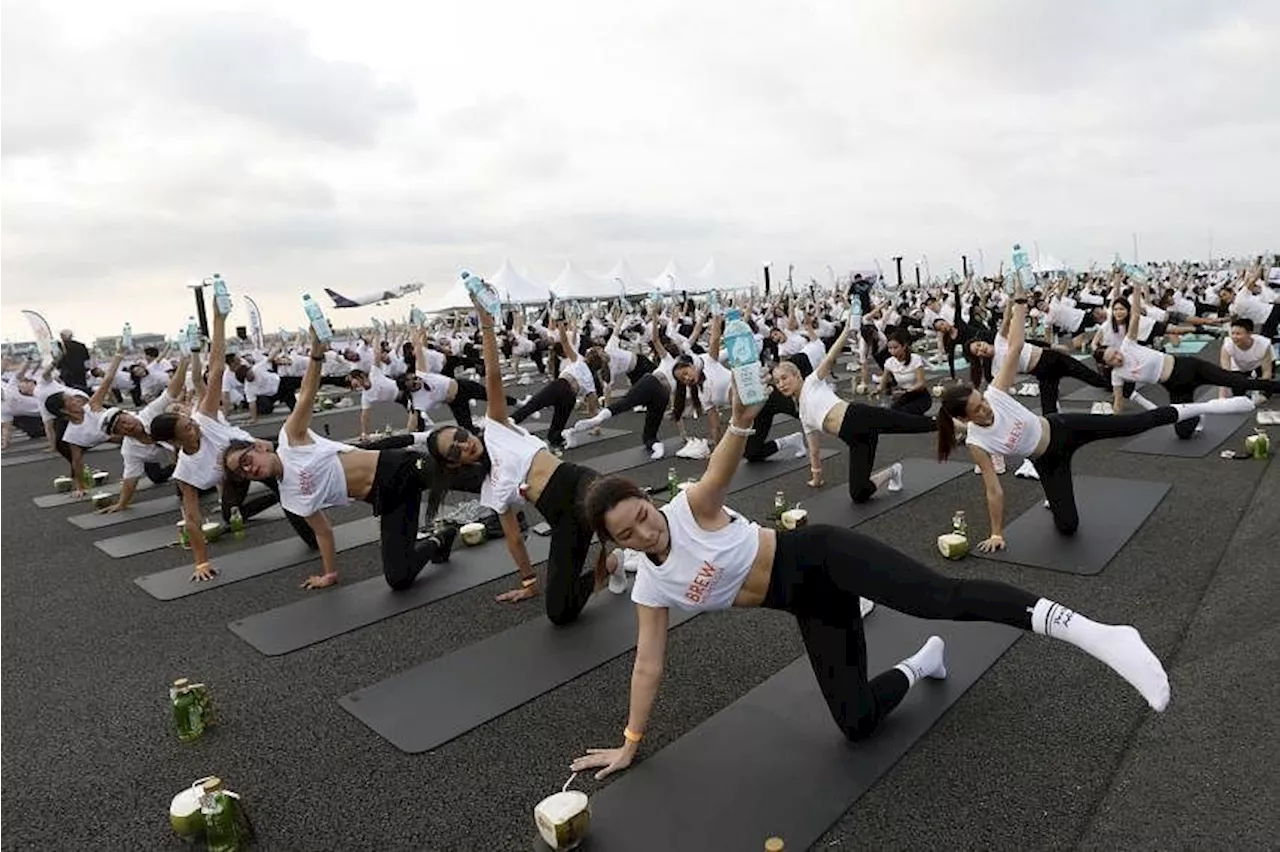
{"points": [[453, 453]]}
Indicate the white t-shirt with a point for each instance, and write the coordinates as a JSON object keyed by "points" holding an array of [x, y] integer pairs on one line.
{"points": [[816, 401], [1002, 349], [203, 469], [1065, 316], [904, 374], [44, 390], [621, 362], [1250, 306], [17, 404], [717, 380], [1014, 431], [1247, 360], [705, 569], [263, 382], [135, 453], [580, 373], [793, 344], [435, 391], [381, 389], [511, 450], [88, 432], [1142, 366], [313, 478]]}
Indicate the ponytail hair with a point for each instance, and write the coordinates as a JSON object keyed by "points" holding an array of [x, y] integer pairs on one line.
{"points": [[954, 401]]}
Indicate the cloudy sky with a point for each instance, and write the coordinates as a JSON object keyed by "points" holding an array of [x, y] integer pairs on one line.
{"points": [[297, 145]]}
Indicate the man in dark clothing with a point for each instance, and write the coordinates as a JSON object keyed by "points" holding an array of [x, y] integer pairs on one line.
{"points": [[73, 366]]}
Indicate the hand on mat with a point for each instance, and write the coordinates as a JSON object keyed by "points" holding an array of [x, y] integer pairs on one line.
{"points": [[78, 493], [991, 545], [203, 571], [110, 510], [521, 594], [319, 581], [607, 760]]}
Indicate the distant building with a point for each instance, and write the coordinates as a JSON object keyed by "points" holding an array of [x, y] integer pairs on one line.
{"points": [[107, 345], [22, 349]]}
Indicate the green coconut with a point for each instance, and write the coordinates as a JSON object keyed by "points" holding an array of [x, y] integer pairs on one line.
{"points": [[212, 530], [102, 501], [185, 816], [62, 484], [563, 819], [100, 477], [953, 545]]}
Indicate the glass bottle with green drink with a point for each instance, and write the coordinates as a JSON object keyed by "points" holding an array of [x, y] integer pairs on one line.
{"points": [[221, 827], [779, 506], [673, 483], [86, 476], [237, 522], [188, 710]]}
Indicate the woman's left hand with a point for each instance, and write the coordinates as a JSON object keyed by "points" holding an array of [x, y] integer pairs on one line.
{"points": [[607, 760]]}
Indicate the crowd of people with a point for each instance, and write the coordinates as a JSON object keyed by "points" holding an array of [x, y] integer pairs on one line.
{"points": [[174, 416]]}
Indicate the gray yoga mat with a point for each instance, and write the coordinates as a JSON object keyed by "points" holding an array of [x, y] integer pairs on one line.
{"points": [[144, 541], [1088, 395], [41, 456], [1111, 511], [586, 439], [834, 506], [1163, 441], [487, 679], [517, 665], [631, 457], [775, 759], [253, 562], [49, 501], [138, 511], [349, 607]]}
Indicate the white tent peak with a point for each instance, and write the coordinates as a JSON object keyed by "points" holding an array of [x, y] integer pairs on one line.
{"points": [[517, 288]]}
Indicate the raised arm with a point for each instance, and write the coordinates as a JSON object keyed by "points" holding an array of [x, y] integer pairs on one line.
{"points": [[706, 497], [1017, 335], [824, 369], [1135, 313], [178, 380], [108, 379], [497, 404], [300, 418], [212, 398]]}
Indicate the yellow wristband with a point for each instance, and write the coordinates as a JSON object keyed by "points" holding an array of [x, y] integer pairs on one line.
{"points": [[631, 736]]}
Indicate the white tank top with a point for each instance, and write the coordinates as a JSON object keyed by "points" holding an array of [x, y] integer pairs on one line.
{"points": [[704, 569], [511, 450], [1015, 431], [313, 477], [816, 401], [203, 469]]}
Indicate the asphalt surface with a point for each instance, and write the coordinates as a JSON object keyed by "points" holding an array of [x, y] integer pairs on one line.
{"points": [[1049, 750]]}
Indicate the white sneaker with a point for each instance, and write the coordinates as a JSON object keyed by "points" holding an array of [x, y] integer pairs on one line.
{"points": [[639, 409], [1027, 470], [977, 468], [895, 477], [630, 561], [686, 452], [659, 450], [865, 606], [702, 449], [571, 440], [618, 580], [523, 380], [998, 463], [794, 442], [1046, 504]]}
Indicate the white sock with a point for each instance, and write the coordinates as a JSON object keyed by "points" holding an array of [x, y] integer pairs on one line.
{"points": [[1230, 405], [1120, 647], [929, 661], [1143, 402], [794, 441]]}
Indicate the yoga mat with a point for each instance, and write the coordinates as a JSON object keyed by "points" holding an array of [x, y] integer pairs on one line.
{"points": [[631, 457], [39, 456], [751, 474], [49, 501], [487, 679], [345, 608], [834, 506], [1111, 511], [138, 511], [1089, 394], [507, 670], [144, 541], [252, 562], [774, 761], [1186, 347], [586, 439], [1163, 441]]}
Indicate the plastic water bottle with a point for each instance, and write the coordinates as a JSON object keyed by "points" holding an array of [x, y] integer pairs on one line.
{"points": [[1136, 273], [193, 335], [221, 296], [713, 303], [744, 359], [126, 337], [416, 317], [318, 323], [1022, 267], [484, 293]]}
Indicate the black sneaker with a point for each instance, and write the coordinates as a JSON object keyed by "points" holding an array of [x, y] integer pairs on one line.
{"points": [[444, 539]]}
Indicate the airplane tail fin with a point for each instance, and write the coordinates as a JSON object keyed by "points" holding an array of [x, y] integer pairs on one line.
{"points": [[341, 301]]}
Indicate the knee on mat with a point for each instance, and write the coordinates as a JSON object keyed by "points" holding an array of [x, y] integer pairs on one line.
{"points": [[859, 728], [560, 615], [1186, 428], [1067, 526], [863, 494], [400, 584]]}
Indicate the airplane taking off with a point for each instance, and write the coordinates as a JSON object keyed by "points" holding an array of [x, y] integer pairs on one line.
{"points": [[379, 298]]}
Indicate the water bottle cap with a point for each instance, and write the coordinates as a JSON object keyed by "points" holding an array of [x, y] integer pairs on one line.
{"points": [[466, 273], [212, 784], [180, 683]]}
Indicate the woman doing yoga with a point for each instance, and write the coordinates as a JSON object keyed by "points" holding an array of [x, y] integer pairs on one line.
{"points": [[697, 554], [999, 424], [517, 467], [315, 474], [859, 426]]}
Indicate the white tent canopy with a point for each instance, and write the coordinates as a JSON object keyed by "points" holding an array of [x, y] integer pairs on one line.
{"points": [[711, 278], [516, 288], [1048, 263], [573, 283], [671, 280], [628, 282], [451, 299]]}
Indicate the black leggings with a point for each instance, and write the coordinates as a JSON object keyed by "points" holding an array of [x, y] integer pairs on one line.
{"points": [[1052, 368], [559, 394], [235, 493], [654, 395], [1070, 432], [460, 405], [561, 503], [860, 430], [1189, 373], [915, 402], [396, 497], [820, 571], [31, 424], [642, 368], [759, 447], [158, 473]]}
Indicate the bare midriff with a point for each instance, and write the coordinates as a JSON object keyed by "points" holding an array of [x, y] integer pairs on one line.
{"points": [[544, 464], [360, 468], [756, 586]]}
